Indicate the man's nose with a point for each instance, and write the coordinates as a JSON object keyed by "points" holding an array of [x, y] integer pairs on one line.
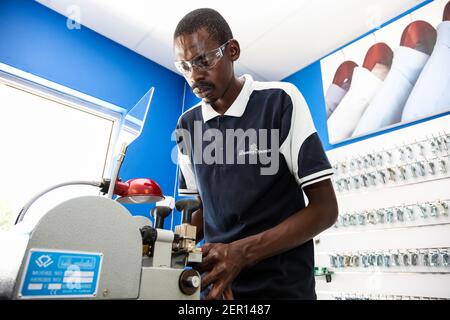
{"points": [[196, 76]]}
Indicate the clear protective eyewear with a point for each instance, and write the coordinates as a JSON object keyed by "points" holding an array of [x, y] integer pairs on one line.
{"points": [[203, 62]]}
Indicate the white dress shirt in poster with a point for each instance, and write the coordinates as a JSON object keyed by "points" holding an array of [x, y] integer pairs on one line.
{"points": [[387, 106], [431, 94], [333, 97], [345, 118]]}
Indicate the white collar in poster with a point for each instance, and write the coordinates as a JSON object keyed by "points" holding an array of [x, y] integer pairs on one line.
{"points": [[333, 97], [431, 94], [387, 106], [345, 118]]}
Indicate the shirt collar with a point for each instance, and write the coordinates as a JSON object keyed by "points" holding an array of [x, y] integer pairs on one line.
{"points": [[238, 107], [364, 81], [409, 62], [443, 31]]}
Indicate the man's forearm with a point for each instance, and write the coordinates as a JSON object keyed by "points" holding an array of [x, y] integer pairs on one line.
{"points": [[293, 232]]}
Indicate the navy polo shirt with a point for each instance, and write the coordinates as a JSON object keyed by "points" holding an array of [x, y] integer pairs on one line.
{"points": [[249, 167]]}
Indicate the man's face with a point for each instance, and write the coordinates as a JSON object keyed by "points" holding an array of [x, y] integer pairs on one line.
{"points": [[209, 85]]}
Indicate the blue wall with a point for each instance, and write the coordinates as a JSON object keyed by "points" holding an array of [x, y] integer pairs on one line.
{"points": [[309, 82], [35, 39]]}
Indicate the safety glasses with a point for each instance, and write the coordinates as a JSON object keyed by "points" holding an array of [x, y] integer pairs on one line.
{"points": [[202, 62]]}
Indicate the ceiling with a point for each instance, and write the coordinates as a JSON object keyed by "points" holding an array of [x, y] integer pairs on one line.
{"points": [[277, 38]]}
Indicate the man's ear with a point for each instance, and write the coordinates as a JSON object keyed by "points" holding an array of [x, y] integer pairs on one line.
{"points": [[235, 50]]}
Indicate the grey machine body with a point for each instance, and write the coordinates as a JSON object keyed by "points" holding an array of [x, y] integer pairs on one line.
{"points": [[100, 225]]}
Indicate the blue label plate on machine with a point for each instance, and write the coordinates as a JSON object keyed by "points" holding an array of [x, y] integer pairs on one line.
{"points": [[60, 274]]}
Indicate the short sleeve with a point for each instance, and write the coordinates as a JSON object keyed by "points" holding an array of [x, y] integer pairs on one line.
{"points": [[187, 185], [302, 148]]}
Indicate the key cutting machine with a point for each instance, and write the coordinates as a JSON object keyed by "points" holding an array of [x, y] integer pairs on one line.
{"points": [[91, 247]]}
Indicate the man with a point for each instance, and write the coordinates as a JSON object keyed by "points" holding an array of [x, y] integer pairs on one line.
{"points": [[254, 221]]}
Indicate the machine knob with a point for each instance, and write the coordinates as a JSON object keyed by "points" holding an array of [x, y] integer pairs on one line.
{"points": [[189, 282], [193, 282], [187, 207], [159, 214], [149, 235]]}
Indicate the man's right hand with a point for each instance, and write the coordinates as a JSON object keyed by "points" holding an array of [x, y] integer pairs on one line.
{"points": [[220, 266]]}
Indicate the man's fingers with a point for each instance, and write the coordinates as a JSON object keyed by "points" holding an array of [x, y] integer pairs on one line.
{"points": [[228, 294], [203, 267], [209, 278], [199, 267], [208, 258], [205, 248], [216, 292], [207, 263]]}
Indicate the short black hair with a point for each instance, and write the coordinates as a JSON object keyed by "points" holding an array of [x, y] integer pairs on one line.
{"points": [[206, 18]]}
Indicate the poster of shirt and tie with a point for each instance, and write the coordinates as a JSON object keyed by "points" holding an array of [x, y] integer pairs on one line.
{"points": [[398, 74]]}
